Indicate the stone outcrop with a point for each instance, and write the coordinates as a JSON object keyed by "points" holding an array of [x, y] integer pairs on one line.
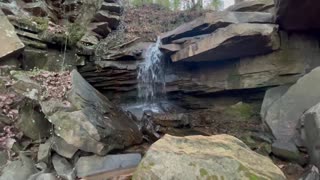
{"points": [[298, 15], [212, 21], [253, 6], [200, 157], [283, 115], [231, 42], [12, 46], [86, 114], [284, 66]]}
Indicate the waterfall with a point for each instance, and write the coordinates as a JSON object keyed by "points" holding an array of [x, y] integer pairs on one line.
{"points": [[151, 76]]}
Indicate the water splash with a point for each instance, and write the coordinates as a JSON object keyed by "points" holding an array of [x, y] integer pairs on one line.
{"points": [[151, 76]]}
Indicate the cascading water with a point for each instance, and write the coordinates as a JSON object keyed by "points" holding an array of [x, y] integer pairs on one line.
{"points": [[151, 76]]}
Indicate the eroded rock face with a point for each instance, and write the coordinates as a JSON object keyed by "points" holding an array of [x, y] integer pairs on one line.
{"points": [[231, 42], [212, 21], [283, 115], [200, 157], [284, 66], [13, 45], [298, 15]]}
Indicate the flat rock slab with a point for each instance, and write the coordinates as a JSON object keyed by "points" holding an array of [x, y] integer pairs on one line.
{"points": [[233, 41], [10, 42], [212, 21], [283, 115], [93, 165], [204, 157], [252, 6]]}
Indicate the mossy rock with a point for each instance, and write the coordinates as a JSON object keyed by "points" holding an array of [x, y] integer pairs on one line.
{"points": [[33, 23], [242, 110], [204, 157], [68, 36]]}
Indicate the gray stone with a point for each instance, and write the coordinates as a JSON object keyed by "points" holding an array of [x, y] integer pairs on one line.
{"points": [[271, 96], [12, 46], [105, 16], [310, 132], [32, 123], [311, 174], [61, 147], [204, 157], [213, 21], [233, 41], [44, 152], [111, 7], [47, 176], [19, 170], [283, 115], [286, 150], [4, 157], [91, 165], [63, 168]]}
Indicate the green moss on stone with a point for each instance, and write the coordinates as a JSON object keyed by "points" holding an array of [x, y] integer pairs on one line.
{"points": [[203, 172], [38, 24], [243, 110], [75, 33]]}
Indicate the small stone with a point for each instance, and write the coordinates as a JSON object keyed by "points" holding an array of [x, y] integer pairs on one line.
{"points": [[61, 147], [44, 152], [286, 150], [3, 158], [47, 176], [92, 165], [311, 174], [19, 170], [63, 167]]}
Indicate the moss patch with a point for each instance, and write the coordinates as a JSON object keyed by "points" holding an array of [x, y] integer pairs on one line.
{"points": [[38, 24], [242, 110], [203, 172]]}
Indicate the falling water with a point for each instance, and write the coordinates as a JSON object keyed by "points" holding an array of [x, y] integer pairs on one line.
{"points": [[151, 77]]}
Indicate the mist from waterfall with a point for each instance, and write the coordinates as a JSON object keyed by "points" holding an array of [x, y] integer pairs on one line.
{"points": [[151, 75]]}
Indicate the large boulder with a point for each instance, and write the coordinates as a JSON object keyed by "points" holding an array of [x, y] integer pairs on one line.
{"points": [[200, 157], [283, 115], [212, 21], [233, 41], [13, 45], [310, 132], [253, 6], [298, 15], [81, 115]]}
